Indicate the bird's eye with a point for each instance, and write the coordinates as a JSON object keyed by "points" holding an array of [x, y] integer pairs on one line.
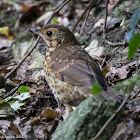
{"points": [[49, 33]]}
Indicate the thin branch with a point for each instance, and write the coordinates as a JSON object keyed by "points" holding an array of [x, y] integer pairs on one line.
{"points": [[130, 88], [106, 14], [124, 43], [15, 89], [79, 19], [84, 22], [103, 61], [89, 7], [58, 9], [12, 71], [36, 42]]}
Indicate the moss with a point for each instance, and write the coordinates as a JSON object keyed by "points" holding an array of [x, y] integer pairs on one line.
{"points": [[87, 120]]}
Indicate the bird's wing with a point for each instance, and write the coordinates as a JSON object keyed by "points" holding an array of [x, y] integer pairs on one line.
{"points": [[79, 73]]}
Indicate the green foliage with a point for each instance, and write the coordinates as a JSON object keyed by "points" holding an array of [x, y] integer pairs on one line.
{"points": [[18, 102], [123, 22], [133, 22], [96, 89], [135, 19], [22, 89], [134, 44], [55, 20]]}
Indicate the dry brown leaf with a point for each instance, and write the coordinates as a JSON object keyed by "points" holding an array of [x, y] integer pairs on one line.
{"points": [[5, 109], [121, 73], [48, 114], [44, 17], [14, 128], [25, 7], [107, 69]]}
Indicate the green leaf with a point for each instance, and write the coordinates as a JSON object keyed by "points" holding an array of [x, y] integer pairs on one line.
{"points": [[96, 89], [135, 19], [16, 105], [133, 22], [130, 34], [55, 20], [134, 44], [123, 22], [22, 89], [23, 96]]}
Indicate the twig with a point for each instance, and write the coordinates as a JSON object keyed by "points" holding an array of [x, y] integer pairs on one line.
{"points": [[91, 5], [84, 22], [15, 89], [12, 71], [106, 14], [130, 88], [103, 61], [59, 8], [137, 67], [79, 19], [124, 43]]}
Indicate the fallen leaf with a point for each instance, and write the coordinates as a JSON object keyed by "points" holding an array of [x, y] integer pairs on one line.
{"points": [[107, 69], [100, 22], [14, 128], [4, 42], [112, 4], [48, 114], [5, 109], [33, 63], [121, 73], [63, 21], [7, 32], [94, 49], [25, 6], [23, 96], [114, 23], [16, 105], [44, 17]]}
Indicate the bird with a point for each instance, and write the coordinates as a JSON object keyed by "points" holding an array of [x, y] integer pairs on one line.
{"points": [[70, 70]]}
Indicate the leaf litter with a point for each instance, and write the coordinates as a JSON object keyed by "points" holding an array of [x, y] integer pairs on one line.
{"points": [[35, 116]]}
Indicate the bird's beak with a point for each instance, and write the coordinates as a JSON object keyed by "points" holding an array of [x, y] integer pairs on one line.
{"points": [[34, 30]]}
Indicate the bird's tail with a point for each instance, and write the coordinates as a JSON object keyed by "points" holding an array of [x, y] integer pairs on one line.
{"points": [[109, 95]]}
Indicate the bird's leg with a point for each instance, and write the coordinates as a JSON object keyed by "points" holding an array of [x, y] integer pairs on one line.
{"points": [[68, 109]]}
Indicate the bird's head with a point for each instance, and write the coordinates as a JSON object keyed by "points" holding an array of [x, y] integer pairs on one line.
{"points": [[55, 35]]}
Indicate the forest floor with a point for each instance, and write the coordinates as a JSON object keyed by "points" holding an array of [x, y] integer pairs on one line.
{"points": [[27, 106]]}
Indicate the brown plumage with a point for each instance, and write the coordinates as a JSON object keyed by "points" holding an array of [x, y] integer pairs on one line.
{"points": [[70, 71]]}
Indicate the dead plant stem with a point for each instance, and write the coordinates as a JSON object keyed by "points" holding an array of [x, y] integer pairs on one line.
{"points": [[106, 14], [128, 90]]}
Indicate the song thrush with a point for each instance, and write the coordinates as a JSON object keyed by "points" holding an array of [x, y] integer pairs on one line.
{"points": [[70, 71]]}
